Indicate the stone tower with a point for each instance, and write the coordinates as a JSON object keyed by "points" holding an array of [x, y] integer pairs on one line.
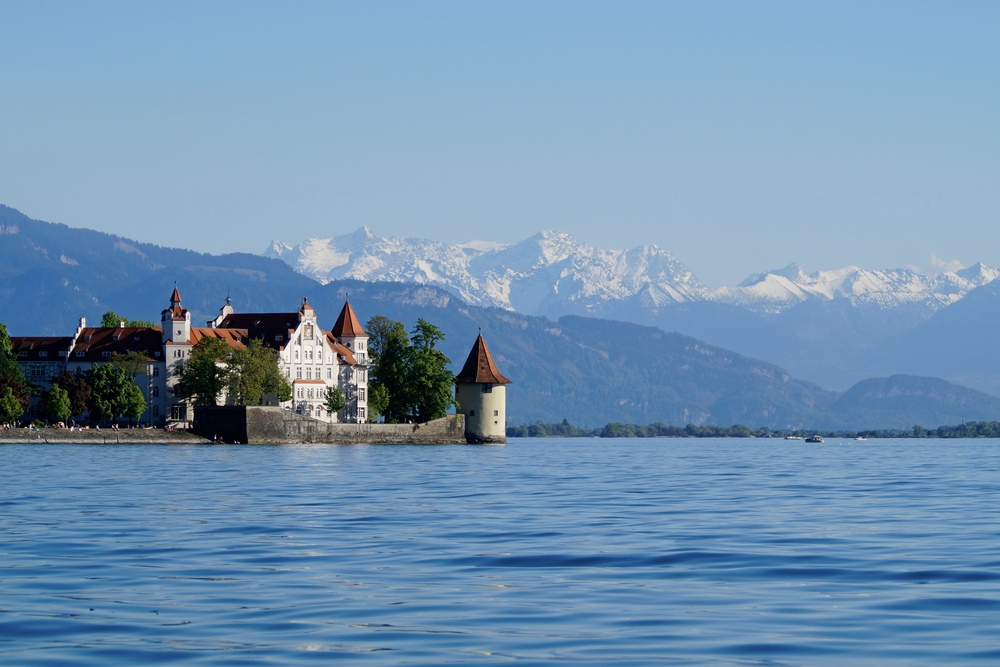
{"points": [[481, 393]]}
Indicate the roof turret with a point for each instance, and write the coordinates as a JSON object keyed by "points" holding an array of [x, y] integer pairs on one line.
{"points": [[480, 367], [347, 324]]}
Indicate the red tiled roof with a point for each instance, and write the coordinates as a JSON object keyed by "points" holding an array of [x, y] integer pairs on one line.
{"points": [[29, 347], [308, 382], [480, 367], [236, 338], [93, 342], [345, 354], [348, 324]]}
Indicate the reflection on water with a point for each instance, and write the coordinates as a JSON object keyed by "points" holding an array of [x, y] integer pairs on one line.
{"points": [[678, 552]]}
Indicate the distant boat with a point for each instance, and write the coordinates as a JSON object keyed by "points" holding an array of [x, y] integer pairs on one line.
{"points": [[814, 438], [861, 438]]}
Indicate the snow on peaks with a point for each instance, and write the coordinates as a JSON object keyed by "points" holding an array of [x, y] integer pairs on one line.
{"points": [[551, 273], [548, 273]]}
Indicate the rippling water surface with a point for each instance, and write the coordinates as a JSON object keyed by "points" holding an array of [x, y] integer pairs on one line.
{"points": [[721, 552]]}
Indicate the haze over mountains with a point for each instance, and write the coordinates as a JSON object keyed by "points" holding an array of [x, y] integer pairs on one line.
{"points": [[552, 274], [590, 371], [831, 327]]}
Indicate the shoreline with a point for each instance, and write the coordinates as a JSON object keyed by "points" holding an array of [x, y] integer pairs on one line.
{"points": [[65, 436]]}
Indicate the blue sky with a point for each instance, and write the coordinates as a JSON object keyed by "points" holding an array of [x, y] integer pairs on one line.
{"points": [[741, 136]]}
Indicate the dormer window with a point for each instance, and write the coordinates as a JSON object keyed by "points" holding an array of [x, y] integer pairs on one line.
{"points": [[115, 337], [22, 354], [43, 353], [86, 339], [279, 338], [105, 354], [79, 353], [156, 354]]}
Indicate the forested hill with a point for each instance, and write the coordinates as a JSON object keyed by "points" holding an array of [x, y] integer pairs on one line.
{"points": [[589, 371]]}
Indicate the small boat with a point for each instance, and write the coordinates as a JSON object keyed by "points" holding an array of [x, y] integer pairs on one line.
{"points": [[861, 438], [814, 438]]}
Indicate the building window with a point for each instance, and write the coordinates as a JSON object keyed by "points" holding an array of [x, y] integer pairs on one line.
{"points": [[43, 353], [487, 388], [298, 373], [279, 338], [105, 354], [156, 410], [156, 392], [329, 373], [472, 413], [361, 394], [496, 413], [309, 373], [361, 414], [156, 371], [79, 353]]}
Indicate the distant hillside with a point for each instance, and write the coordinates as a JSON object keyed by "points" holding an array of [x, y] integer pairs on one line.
{"points": [[587, 370]]}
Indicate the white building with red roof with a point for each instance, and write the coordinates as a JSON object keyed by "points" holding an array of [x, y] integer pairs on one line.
{"points": [[312, 358]]}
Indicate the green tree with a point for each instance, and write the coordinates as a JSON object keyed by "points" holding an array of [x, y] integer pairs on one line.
{"points": [[111, 389], [204, 375], [13, 379], [112, 320], [132, 362], [10, 407], [55, 404], [256, 371], [430, 382], [135, 404], [378, 401], [77, 389], [335, 399], [390, 351]]}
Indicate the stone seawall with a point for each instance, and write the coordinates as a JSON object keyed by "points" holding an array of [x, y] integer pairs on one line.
{"points": [[102, 437], [269, 425]]}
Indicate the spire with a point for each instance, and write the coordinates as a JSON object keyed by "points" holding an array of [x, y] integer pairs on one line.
{"points": [[480, 367], [347, 324], [175, 298]]}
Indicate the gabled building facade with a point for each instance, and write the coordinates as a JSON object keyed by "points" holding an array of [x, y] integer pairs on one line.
{"points": [[311, 358]]}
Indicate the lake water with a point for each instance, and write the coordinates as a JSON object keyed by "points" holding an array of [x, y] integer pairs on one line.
{"points": [[675, 552]]}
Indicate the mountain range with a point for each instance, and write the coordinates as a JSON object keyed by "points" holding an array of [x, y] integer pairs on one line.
{"points": [[587, 369], [834, 328]]}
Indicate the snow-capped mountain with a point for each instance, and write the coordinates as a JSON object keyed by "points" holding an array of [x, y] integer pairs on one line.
{"points": [[776, 291], [549, 273], [553, 274]]}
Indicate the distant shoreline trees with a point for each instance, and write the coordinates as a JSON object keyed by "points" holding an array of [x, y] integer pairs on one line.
{"points": [[978, 429]]}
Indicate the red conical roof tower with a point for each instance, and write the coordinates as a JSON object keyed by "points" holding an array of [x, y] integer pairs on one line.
{"points": [[480, 367]]}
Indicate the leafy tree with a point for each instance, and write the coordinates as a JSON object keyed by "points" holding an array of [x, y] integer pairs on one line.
{"points": [[378, 401], [112, 391], [255, 371], [132, 362], [11, 408], [204, 375], [11, 378], [390, 350], [112, 320], [135, 404], [55, 404], [335, 399], [430, 382], [380, 329], [77, 389]]}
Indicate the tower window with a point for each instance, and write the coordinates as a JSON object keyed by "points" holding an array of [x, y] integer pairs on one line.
{"points": [[487, 388]]}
